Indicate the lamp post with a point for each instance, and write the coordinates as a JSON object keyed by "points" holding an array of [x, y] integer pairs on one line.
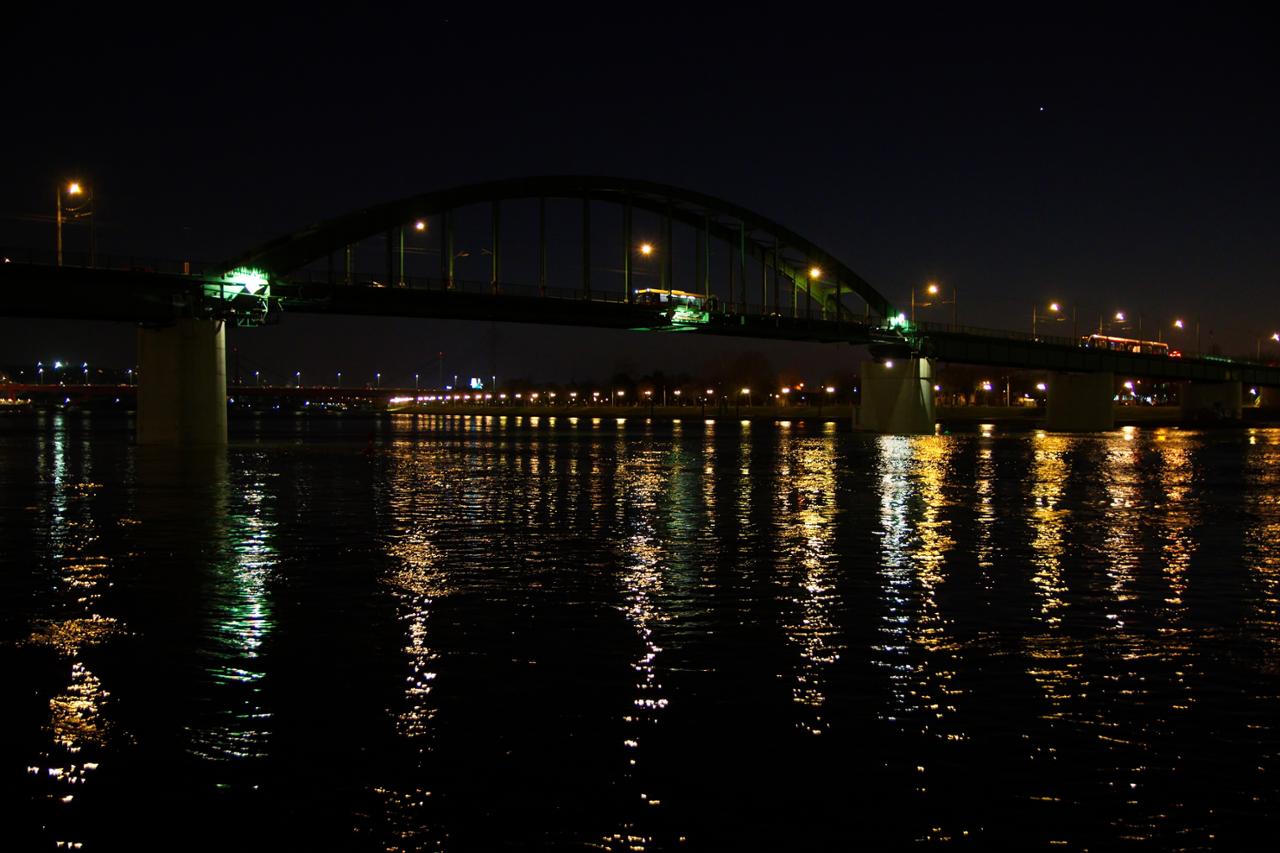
{"points": [[1275, 336], [298, 375], [931, 290], [1178, 324], [1055, 311], [64, 212]]}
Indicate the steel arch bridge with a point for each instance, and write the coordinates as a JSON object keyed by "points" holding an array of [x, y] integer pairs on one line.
{"points": [[784, 261]]}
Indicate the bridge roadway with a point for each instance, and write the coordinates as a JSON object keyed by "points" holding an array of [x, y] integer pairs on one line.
{"points": [[149, 296], [181, 341]]}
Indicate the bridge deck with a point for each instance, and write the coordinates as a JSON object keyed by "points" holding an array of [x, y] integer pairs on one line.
{"points": [[149, 296]]}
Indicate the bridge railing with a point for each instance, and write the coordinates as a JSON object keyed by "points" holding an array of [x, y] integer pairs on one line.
{"points": [[105, 261], [506, 288], [1005, 334]]}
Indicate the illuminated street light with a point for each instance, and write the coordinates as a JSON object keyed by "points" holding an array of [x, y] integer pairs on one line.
{"points": [[1120, 316], [81, 211], [1055, 307], [646, 249], [888, 364], [815, 273], [932, 291], [1177, 324], [420, 225]]}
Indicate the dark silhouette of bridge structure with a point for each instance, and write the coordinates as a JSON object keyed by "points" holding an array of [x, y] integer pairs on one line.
{"points": [[570, 251]]}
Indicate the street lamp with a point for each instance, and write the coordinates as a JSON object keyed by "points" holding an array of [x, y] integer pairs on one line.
{"points": [[377, 380], [65, 212], [932, 291], [1178, 324], [646, 249], [298, 375], [1275, 336], [339, 378], [1055, 310]]}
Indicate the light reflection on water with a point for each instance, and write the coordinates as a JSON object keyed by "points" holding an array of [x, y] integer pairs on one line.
{"points": [[990, 638], [71, 621], [237, 611]]}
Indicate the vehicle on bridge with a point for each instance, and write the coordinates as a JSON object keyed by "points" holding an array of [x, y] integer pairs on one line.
{"points": [[1097, 341], [685, 307]]}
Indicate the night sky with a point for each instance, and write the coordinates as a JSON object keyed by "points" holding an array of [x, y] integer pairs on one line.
{"points": [[1112, 163]]}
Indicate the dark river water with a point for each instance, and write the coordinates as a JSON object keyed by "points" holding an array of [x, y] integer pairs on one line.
{"points": [[500, 633]]}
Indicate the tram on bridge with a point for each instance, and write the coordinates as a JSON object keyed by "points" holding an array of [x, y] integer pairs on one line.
{"points": [[1134, 345]]}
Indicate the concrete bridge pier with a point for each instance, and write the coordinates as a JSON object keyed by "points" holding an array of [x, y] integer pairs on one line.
{"points": [[1081, 402], [182, 384], [1211, 401], [897, 397]]}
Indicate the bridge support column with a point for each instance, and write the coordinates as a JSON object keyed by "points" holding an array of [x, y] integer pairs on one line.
{"points": [[897, 397], [1081, 402], [182, 384], [1211, 401]]}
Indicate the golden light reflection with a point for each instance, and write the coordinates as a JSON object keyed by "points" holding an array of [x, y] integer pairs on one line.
{"points": [[804, 511], [79, 726], [1262, 473], [1177, 514], [1049, 518], [643, 473], [917, 650]]}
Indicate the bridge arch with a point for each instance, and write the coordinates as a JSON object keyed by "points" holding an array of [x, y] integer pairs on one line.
{"points": [[749, 234]]}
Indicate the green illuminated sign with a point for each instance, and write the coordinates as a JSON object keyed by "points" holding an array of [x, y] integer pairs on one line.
{"points": [[249, 279]]}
